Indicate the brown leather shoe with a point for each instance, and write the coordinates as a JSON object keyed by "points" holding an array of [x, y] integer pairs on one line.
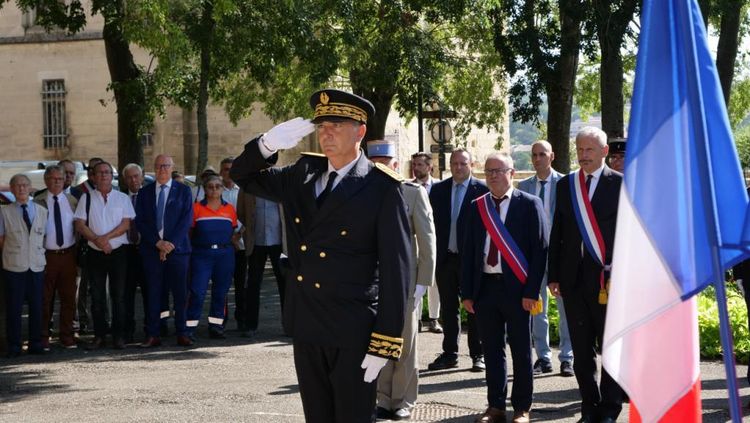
{"points": [[521, 417], [151, 342], [492, 415], [184, 341]]}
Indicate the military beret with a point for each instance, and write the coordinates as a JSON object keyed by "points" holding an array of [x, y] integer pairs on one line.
{"points": [[337, 105], [381, 148], [617, 145]]}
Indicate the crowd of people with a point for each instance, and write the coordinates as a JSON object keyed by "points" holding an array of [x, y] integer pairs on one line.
{"points": [[354, 248], [93, 249]]}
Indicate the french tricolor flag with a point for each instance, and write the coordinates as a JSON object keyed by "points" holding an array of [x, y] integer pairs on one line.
{"points": [[681, 216]]}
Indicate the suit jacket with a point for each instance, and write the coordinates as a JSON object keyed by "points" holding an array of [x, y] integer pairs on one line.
{"points": [[529, 185], [334, 296], [440, 198], [422, 236], [525, 223], [178, 217], [565, 239]]}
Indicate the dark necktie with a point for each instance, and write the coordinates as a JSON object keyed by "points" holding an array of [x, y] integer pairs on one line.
{"points": [[160, 202], [58, 222], [26, 219], [492, 255], [588, 184], [132, 231], [329, 187], [541, 191]]}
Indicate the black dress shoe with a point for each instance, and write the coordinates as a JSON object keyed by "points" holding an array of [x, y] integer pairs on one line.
{"points": [[444, 361], [402, 414], [566, 369], [13, 354], [37, 351], [607, 420], [383, 414], [216, 334], [118, 344], [96, 344], [542, 366]]}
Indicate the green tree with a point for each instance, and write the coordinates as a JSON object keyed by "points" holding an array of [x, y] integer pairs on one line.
{"points": [[540, 41], [132, 86], [611, 21], [232, 52]]}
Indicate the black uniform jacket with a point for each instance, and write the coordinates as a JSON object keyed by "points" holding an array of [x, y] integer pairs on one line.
{"points": [[349, 260]]}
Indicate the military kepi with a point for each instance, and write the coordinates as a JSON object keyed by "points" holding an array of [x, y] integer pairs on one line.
{"points": [[381, 148], [617, 145], [336, 105]]}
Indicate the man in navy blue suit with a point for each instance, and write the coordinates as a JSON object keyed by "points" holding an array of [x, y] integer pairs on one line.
{"points": [[450, 201], [503, 263], [164, 214]]}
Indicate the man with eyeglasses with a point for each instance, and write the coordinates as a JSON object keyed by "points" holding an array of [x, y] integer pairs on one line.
{"points": [[450, 199], [70, 174], [503, 261], [164, 214], [103, 217], [348, 240]]}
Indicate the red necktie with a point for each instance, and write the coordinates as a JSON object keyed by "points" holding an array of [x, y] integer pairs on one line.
{"points": [[492, 256]]}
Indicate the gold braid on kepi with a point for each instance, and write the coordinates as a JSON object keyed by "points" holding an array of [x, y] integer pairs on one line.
{"points": [[336, 105], [385, 346]]}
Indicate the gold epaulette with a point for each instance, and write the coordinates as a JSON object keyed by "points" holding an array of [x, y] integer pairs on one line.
{"points": [[312, 154], [385, 346], [390, 172]]}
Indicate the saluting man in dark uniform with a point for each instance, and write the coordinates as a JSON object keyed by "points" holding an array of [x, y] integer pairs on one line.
{"points": [[348, 241]]}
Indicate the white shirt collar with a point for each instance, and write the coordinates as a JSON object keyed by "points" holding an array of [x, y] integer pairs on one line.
{"points": [[507, 193], [597, 173], [344, 169]]}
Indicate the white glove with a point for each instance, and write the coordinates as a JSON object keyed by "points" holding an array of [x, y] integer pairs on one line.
{"points": [[287, 134], [419, 292], [372, 365]]}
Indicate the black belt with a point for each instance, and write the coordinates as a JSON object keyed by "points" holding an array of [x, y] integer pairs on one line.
{"points": [[62, 250], [213, 246], [493, 276]]}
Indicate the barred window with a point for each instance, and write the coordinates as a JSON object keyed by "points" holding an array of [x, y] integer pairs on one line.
{"points": [[53, 112], [147, 139]]}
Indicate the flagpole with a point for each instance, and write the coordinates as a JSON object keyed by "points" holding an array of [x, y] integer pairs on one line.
{"points": [[726, 338]]}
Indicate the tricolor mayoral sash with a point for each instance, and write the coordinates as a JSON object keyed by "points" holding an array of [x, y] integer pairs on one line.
{"points": [[500, 236], [588, 226]]}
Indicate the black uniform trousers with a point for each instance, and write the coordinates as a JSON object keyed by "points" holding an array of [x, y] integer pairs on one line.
{"points": [[331, 384], [499, 313], [586, 325], [103, 268], [447, 276], [240, 289], [257, 262], [133, 280]]}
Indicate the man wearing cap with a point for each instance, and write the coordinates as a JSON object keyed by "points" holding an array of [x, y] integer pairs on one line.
{"points": [[348, 240], [398, 382], [616, 157]]}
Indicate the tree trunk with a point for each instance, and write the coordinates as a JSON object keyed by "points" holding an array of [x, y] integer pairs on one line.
{"points": [[705, 6], [726, 51], [208, 29], [130, 94], [611, 24], [560, 85]]}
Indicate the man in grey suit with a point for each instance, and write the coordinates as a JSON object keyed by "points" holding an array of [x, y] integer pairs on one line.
{"points": [[398, 381], [543, 186]]}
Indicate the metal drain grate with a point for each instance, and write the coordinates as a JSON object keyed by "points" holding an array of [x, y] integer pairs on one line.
{"points": [[441, 412]]}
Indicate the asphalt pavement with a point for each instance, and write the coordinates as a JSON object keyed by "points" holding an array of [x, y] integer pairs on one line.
{"points": [[253, 380]]}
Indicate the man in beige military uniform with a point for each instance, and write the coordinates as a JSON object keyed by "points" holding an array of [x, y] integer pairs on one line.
{"points": [[398, 381]]}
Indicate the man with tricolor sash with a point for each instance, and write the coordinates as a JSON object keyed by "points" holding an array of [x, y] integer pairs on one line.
{"points": [[580, 254], [503, 264]]}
